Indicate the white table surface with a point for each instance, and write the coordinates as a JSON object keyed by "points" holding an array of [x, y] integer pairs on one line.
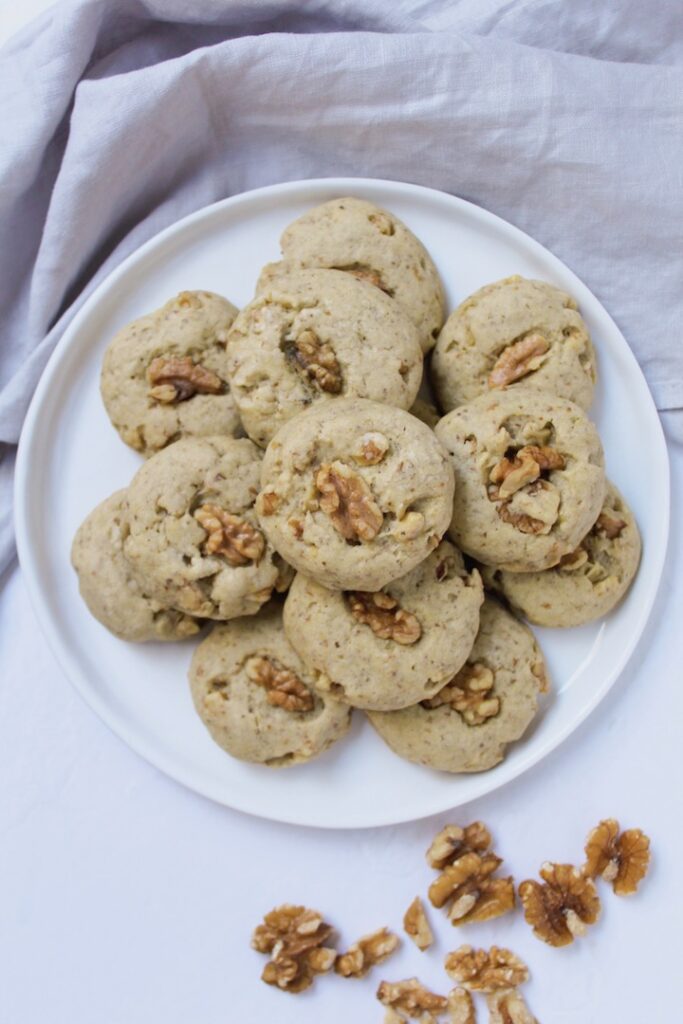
{"points": [[125, 899]]}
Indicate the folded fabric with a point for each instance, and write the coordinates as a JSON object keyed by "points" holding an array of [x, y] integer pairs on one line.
{"points": [[121, 118]]}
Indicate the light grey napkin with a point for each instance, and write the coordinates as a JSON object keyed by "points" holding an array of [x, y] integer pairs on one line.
{"points": [[120, 117]]}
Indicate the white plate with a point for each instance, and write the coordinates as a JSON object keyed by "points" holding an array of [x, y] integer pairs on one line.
{"points": [[70, 459]]}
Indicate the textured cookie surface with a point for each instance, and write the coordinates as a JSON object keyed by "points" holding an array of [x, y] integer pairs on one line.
{"points": [[165, 375], [389, 649], [589, 582], [355, 494], [314, 336], [194, 539], [365, 241], [107, 583], [529, 477], [255, 695], [514, 332], [467, 726]]}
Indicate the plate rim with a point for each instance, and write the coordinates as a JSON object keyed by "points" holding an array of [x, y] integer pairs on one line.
{"points": [[490, 781]]}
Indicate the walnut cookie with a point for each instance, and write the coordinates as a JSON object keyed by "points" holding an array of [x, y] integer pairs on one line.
{"points": [[514, 332], [194, 540], [165, 375], [108, 586], [587, 583], [314, 336], [530, 479], [374, 245], [256, 697], [355, 494], [392, 648], [467, 725]]}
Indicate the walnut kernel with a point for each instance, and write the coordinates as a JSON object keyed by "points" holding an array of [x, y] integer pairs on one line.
{"points": [[177, 379], [524, 468], [416, 925], [518, 359], [366, 953], [411, 998], [486, 970], [362, 272], [315, 359], [560, 909], [469, 694], [294, 936], [283, 688], [461, 1007], [384, 615], [622, 859], [473, 894], [267, 503], [609, 526], [453, 841], [372, 447], [508, 1007], [347, 500], [235, 539]]}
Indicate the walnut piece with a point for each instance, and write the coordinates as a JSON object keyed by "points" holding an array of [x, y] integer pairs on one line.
{"points": [[362, 272], [315, 359], [283, 688], [453, 841], [486, 970], [411, 998], [461, 1007], [533, 509], [366, 953], [416, 925], [347, 500], [560, 909], [235, 539], [267, 503], [574, 560], [622, 859], [518, 359], [384, 615], [524, 468], [474, 894], [178, 378], [508, 1008], [609, 526], [294, 937], [372, 447], [469, 694]]}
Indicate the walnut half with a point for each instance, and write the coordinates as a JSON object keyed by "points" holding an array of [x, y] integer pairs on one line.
{"points": [[384, 615], [518, 359], [283, 688], [484, 970], [294, 936], [473, 894], [469, 693], [563, 906], [235, 539], [177, 379], [366, 953], [622, 859], [347, 500]]}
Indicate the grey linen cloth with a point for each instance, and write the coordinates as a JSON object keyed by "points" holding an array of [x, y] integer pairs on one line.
{"points": [[120, 117]]}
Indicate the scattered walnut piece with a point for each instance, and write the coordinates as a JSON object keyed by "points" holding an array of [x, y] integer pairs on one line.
{"points": [[469, 694], [416, 925], [518, 359], [284, 688], [178, 378], [486, 970], [411, 998], [461, 1007], [294, 937], [622, 859], [508, 1007], [315, 359], [560, 909], [384, 615], [474, 894], [524, 468], [347, 500], [372, 447], [235, 539], [453, 841], [267, 503], [609, 526], [366, 953]]}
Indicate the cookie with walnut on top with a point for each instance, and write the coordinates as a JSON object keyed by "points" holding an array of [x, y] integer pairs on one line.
{"points": [[355, 494]]}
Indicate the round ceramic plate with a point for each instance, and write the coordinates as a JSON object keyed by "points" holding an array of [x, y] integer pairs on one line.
{"points": [[70, 458]]}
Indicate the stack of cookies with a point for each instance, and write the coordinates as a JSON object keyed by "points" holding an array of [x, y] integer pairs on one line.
{"points": [[380, 521]]}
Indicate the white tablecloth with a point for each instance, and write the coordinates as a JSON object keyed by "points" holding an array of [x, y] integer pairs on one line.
{"points": [[125, 899]]}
